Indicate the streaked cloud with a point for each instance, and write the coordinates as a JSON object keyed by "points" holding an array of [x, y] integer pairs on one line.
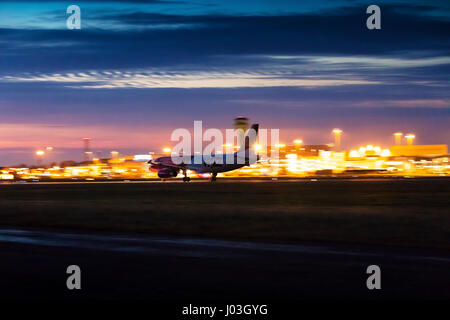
{"points": [[384, 62], [260, 71], [405, 103], [185, 80], [326, 103]]}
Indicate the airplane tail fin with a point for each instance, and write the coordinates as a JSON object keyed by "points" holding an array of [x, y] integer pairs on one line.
{"points": [[246, 154], [251, 136]]}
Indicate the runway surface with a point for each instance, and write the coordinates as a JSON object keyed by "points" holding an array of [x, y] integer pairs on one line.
{"points": [[240, 179], [116, 266]]}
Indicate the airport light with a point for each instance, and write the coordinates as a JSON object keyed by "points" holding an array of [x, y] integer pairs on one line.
{"points": [[292, 164], [337, 137], [257, 147], [398, 138], [114, 154], [227, 147], [410, 138], [298, 141], [280, 145], [354, 154], [167, 150], [386, 153], [40, 154]]}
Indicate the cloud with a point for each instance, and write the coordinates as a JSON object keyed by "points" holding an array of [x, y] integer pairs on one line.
{"points": [[324, 104], [184, 80], [107, 1], [367, 61], [258, 71], [124, 38], [405, 103]]}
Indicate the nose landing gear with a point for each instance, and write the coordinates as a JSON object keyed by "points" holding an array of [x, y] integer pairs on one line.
{"points": [[185, 178], [213, 177]]}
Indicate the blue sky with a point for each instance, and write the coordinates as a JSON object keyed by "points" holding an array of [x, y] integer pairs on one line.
{"points": [[139, 69]]}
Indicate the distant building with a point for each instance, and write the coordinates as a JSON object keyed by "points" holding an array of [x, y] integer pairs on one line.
{"points": [[431, 150], [308, 150]]}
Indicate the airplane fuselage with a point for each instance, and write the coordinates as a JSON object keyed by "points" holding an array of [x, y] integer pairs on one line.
{"points": [[200, 165]]}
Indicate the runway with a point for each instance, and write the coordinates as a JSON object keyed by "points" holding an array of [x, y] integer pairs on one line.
{"points": [[260, 179], [129, 266]]}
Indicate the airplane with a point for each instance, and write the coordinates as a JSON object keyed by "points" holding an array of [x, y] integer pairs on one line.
{"points": [[168, 169]]}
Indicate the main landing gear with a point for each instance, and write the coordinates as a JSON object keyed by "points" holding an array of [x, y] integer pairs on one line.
{"points": [[186, 178], [213, 177]]}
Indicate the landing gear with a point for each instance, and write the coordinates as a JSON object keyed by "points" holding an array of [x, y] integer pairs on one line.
{"points": [[186, 178], [213, 177]]}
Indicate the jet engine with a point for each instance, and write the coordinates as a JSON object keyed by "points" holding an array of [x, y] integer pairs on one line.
{"points": [[167, 173]]}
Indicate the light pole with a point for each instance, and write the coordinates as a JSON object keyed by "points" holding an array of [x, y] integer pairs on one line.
{"points": [[87, 149], [410, 138], [337, 138], [49, 153], [398, 138], [39, 154]]}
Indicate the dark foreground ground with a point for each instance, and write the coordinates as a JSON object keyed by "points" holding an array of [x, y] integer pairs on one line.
{"points": [[280, 241], [191, 270], [408, 212]]}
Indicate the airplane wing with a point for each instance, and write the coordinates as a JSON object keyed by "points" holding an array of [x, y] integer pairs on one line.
{"points": [[165, 162]]}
